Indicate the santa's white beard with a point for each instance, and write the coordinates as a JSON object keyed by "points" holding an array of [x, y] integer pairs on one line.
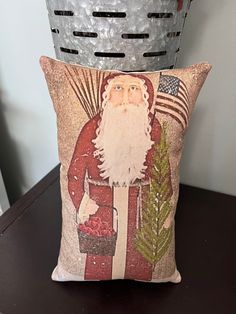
{"points": [[122, 142]]}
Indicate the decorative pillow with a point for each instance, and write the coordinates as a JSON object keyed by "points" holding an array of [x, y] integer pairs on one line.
{"points": [[120, 138]]}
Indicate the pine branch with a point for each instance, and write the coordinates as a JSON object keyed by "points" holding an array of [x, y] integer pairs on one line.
{"points": [[152, 238], [87, 88]]}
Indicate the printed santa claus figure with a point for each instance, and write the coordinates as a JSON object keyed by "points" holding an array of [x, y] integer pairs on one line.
{"points": [[111, 167]]}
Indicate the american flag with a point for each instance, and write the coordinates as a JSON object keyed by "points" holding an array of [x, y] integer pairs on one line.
{"points": [[172, 99]]}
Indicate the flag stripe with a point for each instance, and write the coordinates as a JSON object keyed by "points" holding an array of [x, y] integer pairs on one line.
{"points": [[169, 110], [173, 109], [184, 85], [184, 97], [172, 116], [184, 105], [164, 98], [184, 88]]}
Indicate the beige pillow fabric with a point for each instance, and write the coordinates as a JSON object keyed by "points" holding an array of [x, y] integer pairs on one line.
{"points": [[120, 139]]}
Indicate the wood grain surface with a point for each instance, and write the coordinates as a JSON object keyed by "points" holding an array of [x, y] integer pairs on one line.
{"points": [[205, 251]]}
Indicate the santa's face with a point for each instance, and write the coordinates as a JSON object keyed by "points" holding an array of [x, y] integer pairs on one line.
{"points": [[125, 90], [123, 135]]}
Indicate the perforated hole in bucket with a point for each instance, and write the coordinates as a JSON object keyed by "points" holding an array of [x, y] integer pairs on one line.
{"points": [[55, 30], [155, 53], [134, 71], [177, 50], [160, 15], [173, 34], [63, 12], [168, 67], [85, 34], [109, 14], [134, 36], [67, 50], [110, 54]]}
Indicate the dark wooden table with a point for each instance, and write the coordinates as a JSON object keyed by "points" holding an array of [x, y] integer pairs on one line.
{"points": [[205, 250]]}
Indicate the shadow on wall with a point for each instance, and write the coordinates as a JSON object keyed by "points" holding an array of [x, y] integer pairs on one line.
{"points": [[198, 154], [9, 159], [197, 22]]}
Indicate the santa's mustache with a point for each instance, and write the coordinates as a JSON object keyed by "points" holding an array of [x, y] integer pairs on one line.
{"points": [[127, 105], [124, 105]]}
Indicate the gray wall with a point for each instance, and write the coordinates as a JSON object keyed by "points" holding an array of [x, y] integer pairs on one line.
{"points": [[27, 120], [210, 148]]}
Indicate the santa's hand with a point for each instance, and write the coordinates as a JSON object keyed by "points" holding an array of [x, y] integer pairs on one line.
{"points": [[91, 207], [87, 207]]}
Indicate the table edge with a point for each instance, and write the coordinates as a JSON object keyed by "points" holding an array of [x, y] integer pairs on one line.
{"points": [[21, 205]]}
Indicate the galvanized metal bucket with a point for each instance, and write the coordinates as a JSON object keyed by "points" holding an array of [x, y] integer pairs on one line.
{"points": [[127, 35]]}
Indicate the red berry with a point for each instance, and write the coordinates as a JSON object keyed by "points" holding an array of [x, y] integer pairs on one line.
{"points": [[109, 233], [104, 225], [94, 233], [94, 225], [97, 219], [104, 232], [82, 228], [88, 230], [87, 223]]}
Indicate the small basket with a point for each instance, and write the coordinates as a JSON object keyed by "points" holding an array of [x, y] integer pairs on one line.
{"points": [[98, 245]]}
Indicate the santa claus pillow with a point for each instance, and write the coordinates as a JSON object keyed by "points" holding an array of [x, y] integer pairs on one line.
{"points": [[120, 138]]}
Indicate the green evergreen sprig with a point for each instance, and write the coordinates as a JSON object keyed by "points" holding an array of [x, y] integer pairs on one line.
{"points": [[152, 238]]}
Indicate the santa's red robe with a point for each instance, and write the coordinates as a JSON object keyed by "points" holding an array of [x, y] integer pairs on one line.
{"points": [[83, 160]]}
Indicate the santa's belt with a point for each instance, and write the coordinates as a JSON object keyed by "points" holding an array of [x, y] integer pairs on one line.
{"points": [[105, 183]]}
